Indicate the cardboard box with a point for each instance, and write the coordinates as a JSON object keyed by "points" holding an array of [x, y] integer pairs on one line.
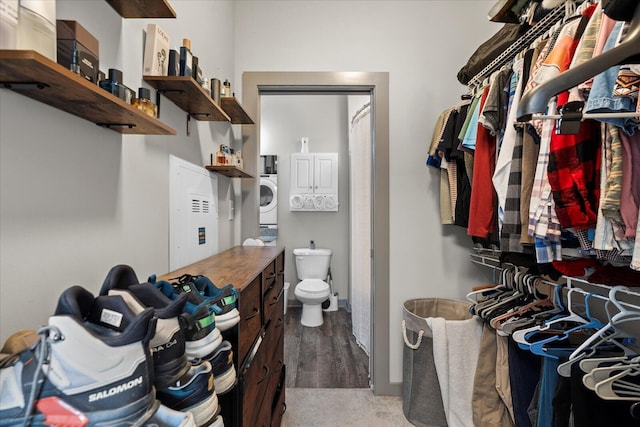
{"points": [[78, 50]]}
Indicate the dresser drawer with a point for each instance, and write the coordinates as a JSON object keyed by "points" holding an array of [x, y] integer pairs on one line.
{"points": [[269, 277], [273, 305], [255, 384], [280, 264], [279, 405], [250, 318]]}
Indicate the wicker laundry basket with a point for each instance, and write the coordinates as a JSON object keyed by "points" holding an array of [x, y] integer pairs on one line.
{"points": [[421, 396]]}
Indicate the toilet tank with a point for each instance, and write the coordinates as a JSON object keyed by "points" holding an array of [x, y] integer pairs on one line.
{"points": [[312, 263]]}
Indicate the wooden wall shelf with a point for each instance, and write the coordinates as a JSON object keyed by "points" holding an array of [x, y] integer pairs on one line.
{"points": [[33, 75], [230, 171], [187, 94], [143, 8], [238, 115]]}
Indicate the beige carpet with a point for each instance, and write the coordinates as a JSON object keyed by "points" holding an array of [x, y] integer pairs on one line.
{"points": [[337, 407]]}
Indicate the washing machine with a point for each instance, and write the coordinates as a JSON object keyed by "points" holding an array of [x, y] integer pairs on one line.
{"points": [[268, 199]]}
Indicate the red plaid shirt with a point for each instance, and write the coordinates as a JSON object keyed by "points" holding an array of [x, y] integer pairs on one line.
{"points": [[574, 174]]}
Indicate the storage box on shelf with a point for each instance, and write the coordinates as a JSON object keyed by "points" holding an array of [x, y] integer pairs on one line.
{"points": [[258, 339], [35, 76]]}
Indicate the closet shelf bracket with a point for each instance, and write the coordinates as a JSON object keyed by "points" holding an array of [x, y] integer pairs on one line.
{"points": [[115, 125], [24, 86]]}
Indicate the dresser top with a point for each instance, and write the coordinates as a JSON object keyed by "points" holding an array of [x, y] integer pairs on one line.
{"points": [[238, 265]]}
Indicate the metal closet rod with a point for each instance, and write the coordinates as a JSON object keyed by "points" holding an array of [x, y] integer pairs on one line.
{"points": [[516, 47], [631, 115]]}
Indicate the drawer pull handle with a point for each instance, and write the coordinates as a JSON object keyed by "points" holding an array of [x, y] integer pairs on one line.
{"points": [[256, 311], [275, 300], [271, 276], [284, 408], [279, 322], [266, 374]]}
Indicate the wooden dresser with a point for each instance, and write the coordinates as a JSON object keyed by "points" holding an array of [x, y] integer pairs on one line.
{"points": [[258, 340]]}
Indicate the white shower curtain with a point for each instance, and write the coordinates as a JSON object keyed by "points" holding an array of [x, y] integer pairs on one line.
{"points": [[360, 186]]}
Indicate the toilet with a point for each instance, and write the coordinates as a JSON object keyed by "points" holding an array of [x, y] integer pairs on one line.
{"points": [[312, 267]]}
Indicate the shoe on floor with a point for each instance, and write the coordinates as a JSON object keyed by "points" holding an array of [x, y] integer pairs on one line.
{"points": [[168, 342], [90, 365]]}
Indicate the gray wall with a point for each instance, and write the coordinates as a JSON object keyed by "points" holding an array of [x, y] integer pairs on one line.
{"points": [[322, 118], [77, 199]]}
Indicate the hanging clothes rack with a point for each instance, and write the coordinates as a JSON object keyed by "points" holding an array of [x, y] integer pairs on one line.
{"points": [[545, 24], [537, 99]]}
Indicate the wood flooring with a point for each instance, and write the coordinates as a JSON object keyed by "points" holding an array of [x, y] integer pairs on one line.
{"points": [[326, 356]]}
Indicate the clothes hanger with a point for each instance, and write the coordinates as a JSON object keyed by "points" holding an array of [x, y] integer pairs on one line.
{"points": [[596, 375], [539, 347], [627, 52], [588, 365], [525, 293], [605, 334], [617, 388], [508, 300], [520, 336], [538, 305], [484, 293], [506, 287], [532, 320]]}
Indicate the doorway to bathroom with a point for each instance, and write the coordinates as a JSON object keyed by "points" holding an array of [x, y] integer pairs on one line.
{"points": [[337, 91], [335, 128]]}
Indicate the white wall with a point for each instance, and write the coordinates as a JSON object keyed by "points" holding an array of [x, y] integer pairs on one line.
{"points": [[422, 44], [323, 119], [76, 199]]}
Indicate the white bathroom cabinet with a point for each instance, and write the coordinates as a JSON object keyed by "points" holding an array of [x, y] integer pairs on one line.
{"points": [[314, 182], [315, 173]]}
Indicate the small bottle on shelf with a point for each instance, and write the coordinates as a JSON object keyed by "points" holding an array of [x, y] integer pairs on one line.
{"points": [[227, 89], [143, 102], [216, 90], [239, 161], [114, 85], [221, 157], [206, 85], [186, 58]]}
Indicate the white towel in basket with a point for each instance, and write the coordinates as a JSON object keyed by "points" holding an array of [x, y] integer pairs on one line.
{"points": [[456, 346]]}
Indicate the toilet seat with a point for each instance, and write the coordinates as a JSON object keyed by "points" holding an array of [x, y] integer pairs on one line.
{"points": [[313, 286]]}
